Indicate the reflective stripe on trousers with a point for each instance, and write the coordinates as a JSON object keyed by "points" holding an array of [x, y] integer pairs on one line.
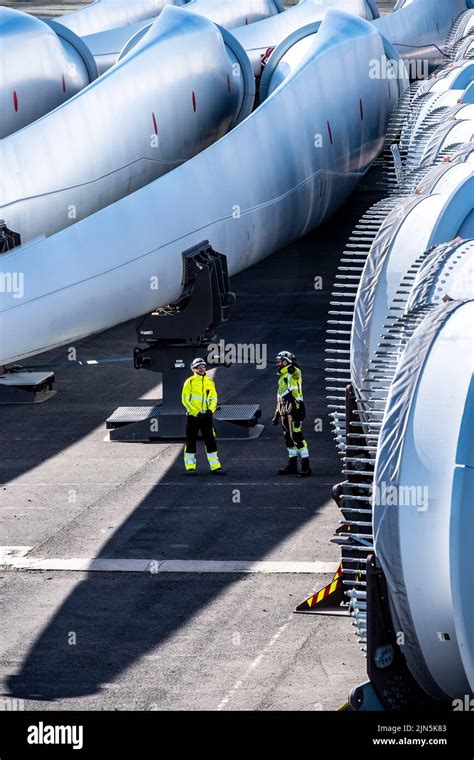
{"points": [[293, 434], [213, 460], [189, 461]]}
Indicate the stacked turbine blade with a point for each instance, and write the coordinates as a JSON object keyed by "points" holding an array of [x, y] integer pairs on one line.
{"points": [[462, 30], [416, 122]]}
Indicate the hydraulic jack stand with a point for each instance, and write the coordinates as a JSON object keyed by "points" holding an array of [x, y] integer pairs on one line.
{"points": [[174, 335]]}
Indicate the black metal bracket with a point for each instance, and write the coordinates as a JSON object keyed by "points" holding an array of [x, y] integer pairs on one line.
{"points": [[204, 304], [174, 335], [390, 678], [8, 238]]}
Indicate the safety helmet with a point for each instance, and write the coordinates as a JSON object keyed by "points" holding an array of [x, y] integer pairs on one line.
{"points": [[197, 362], [285, 356]]}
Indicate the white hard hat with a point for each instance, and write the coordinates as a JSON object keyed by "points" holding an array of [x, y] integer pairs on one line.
{"points": [[285, 356], [197, 362]]}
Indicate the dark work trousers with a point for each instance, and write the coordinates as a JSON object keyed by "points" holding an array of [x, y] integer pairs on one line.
{"points": [[293, 434], [203, 424]]}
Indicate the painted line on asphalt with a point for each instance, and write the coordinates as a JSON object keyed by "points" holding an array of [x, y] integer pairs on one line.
{"points": [[252, 667], [81, 564]]}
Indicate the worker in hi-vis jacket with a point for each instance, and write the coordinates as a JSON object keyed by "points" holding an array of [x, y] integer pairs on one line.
{"points": [[199, 397], [290, 412]]}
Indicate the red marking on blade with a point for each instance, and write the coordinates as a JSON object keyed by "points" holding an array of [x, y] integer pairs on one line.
{"points": [[155, 125], [194, 102], [15, 100], [361, 108], [228, 83], [246, 20], [330, 132], [63, 82]]}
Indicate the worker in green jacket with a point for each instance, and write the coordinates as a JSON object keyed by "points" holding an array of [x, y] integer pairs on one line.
{"points": [[199, 398], [290, 412]]}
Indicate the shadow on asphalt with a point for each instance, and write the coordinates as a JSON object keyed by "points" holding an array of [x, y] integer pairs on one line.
{"points": [[120, 618]]}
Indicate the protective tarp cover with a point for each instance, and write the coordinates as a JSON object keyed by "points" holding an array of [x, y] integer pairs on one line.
{"points": [[437, 77], [360, 345], [423, 291], [387, 471], [427, 183], [464, 48], [436, 142], [467, 25]]}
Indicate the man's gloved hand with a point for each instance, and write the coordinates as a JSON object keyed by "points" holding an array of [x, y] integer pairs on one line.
{"points": [[276, 418]]}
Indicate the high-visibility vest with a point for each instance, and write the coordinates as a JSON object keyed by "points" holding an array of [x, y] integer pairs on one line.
{"points": [[199, 394], [290, 382]]}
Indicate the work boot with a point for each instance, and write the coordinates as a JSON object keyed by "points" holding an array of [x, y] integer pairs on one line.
{"points": [[190, 472], [291, 468], [219, 471], [305, 468]]}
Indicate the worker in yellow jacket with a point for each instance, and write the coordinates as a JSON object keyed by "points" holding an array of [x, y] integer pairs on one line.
{"points": [[290, 412], [199, 398]]}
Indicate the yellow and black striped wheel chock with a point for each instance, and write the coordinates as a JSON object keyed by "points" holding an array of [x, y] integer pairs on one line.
{"points": [[328, 600]]}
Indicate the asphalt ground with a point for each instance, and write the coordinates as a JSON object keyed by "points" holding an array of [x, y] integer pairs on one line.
{"points": [[187, 640]]}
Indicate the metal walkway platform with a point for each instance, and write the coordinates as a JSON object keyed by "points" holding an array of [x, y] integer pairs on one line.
{"points": [[26, 387], [145, 423]]}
